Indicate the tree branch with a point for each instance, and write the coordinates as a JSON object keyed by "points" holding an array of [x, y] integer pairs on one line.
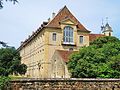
{"points": [[1, 2]]}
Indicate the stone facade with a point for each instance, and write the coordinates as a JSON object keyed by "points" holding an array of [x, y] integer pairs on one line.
{"points": [[65, 84], [58, 67], [62, 32]]}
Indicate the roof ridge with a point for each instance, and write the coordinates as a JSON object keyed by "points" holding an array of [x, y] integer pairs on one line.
{"points": [[62, 8]]}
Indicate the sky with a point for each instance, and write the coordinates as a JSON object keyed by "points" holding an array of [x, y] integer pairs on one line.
{"points": [[20, 20]]}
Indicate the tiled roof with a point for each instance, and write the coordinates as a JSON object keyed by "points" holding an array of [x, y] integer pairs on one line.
{"points": [[63, 14], [65, 54], [92, 37]]}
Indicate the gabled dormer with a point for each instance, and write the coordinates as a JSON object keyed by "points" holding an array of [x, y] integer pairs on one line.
{"points": [[67, 21], [68, 29]]}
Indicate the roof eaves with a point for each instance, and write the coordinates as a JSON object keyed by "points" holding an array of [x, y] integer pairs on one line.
{"points": [[30, 38]]}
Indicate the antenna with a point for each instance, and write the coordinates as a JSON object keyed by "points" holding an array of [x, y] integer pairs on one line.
{"points": [[102, 22], [102, 27]]}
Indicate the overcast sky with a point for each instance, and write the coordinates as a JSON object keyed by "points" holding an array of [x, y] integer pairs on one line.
{"points": [[18, 21]]}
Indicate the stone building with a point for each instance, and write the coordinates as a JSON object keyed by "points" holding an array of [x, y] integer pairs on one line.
{"points": [[46, 51]]}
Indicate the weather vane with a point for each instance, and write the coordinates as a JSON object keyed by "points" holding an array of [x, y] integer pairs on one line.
{"points": [[106, 19]]}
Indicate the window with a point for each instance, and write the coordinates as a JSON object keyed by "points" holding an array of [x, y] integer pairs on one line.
{"points": [[70, 49], [81, 39], [109, 34], [68, 34], [54, 37]]}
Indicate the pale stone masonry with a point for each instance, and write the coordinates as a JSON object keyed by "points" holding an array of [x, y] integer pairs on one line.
{"points": [[63, 32]]}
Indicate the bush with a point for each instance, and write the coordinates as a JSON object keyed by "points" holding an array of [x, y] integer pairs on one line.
{"points": [[4, 81]]}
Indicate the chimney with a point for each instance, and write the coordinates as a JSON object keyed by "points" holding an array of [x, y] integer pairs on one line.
{"points": [[29, 36], [33, 32], [48, 19], [22, 42], [53, 15]]}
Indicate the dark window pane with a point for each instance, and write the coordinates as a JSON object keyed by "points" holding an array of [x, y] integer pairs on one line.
{"points": [[54, 36], [68, 34]]}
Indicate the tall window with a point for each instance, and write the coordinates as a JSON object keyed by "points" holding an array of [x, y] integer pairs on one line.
{"points": [[81, 39], [54, 36], [68, 34]]}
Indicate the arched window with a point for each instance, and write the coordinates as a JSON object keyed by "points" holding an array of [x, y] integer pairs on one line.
{"points": [[68, 34]]}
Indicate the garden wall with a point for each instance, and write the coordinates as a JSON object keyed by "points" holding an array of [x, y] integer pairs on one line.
{"points": [[65, 84]]}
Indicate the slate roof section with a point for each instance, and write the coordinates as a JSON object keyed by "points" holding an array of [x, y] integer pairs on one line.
{"points": [[92, 37], [65, 54], [63, 14]]}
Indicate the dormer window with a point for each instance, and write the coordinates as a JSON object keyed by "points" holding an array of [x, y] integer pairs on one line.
{"points": [[68, 35]]}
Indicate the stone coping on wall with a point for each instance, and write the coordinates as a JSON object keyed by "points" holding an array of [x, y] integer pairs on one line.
{"points": [[64, 84], [67, 79]]}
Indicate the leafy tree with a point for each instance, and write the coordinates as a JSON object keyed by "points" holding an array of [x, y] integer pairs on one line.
{"points": [[10, 62], [1, 2], [4, 44], [99, 60], [4, 82], [103, 40]]}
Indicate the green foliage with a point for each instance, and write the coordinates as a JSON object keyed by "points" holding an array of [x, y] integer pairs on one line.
{"points": [[3, 44], [4, 81], [99, 60], [1, 2], [10, 62], [103, 40]]}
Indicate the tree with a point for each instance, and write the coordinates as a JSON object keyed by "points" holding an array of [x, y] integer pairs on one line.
{"points": [[3, 44], [1, 2], [99, 60], [10, 62], [4, 82], [103, 40]]}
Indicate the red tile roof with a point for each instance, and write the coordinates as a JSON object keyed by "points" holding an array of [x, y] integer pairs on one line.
{"points": [[92, 37], [65, 54], [64, 14]]}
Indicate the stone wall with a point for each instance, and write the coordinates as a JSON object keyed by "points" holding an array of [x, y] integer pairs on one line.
{"points": [[65, 84]]}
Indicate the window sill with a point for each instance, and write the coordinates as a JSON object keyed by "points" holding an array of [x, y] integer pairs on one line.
{"points": [[69, 43]]}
